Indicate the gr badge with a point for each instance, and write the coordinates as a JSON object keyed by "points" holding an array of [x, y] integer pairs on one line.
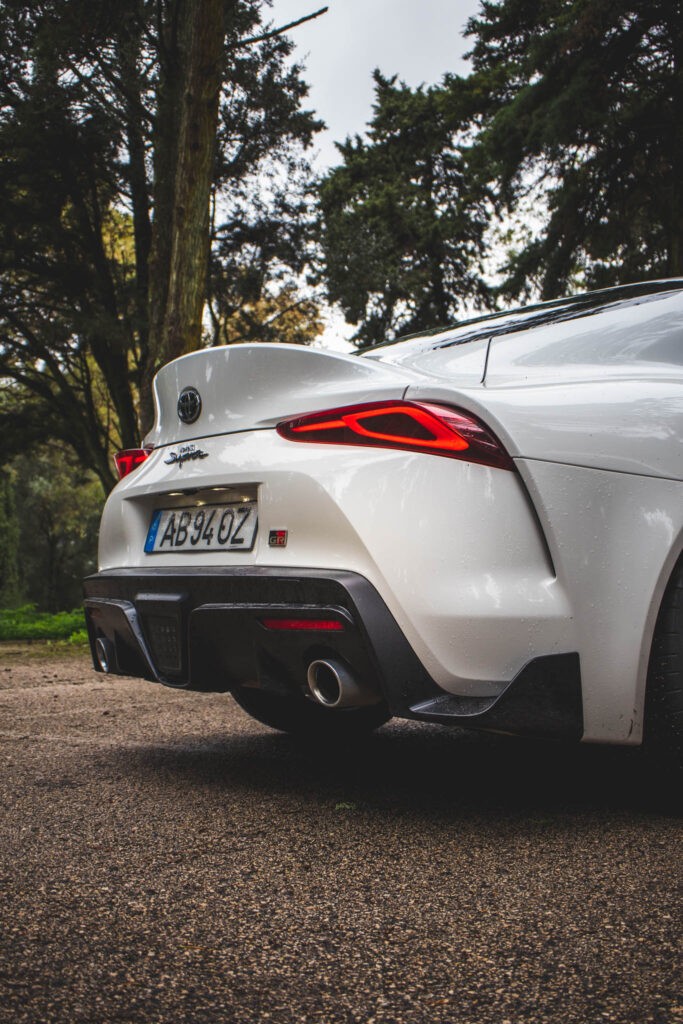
{"points": [[277, 539]]}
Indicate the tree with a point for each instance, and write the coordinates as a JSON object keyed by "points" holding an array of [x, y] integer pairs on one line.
{"points": [[285, 316], [61, 505], [581, 101], [401, 226], [190, 58], [118, 123], [9, 544]]}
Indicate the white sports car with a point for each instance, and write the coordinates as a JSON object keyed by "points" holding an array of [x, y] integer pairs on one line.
{"points": [[480, 527]]}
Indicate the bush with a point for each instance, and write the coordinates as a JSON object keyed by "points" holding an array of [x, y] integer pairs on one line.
{"points": [[28, 624]]}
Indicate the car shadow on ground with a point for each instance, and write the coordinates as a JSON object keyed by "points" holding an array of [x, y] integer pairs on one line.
{"points": [[423, 770]]}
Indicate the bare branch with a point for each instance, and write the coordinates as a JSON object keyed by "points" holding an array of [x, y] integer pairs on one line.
{"points": [[279, 31], [91, 87], [283, 312]]}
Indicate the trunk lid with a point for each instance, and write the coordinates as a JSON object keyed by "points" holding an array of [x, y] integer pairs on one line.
{"points": [[253, 387]]}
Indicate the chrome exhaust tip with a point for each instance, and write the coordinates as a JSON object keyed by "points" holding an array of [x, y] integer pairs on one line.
{"points": [[104, 652], [332, 684]]}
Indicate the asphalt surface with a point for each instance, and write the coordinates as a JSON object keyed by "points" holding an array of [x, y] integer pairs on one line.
{"points": [[164, 858]]}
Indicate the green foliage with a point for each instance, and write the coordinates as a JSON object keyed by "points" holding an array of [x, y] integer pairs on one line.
{"points": [[9, 544], [91, 101], [401, 223], [572, 123], [570, 128], [59, 506], [581, 107], [285, 317], [26, 623], [79, 637]]}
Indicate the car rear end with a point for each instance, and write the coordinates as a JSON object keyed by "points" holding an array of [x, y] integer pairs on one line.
{"points": [[299, 528]]}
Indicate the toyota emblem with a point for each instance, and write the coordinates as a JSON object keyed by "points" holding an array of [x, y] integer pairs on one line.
{"points": [[189, 405]]}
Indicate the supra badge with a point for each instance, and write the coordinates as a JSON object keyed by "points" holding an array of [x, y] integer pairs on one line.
{"points": [[187, 453]]}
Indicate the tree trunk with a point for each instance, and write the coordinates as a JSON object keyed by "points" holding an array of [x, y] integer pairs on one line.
{"points": [[185, 135], [128, 58], [675, 213]]}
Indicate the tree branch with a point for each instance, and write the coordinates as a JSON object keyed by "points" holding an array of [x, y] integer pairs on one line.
{"points": [[279, 31]]}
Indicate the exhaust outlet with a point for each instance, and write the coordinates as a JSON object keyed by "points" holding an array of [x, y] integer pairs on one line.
{"points": [[104, 652], [334, 686]]}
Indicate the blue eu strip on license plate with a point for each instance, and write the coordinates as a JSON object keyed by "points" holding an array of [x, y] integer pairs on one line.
{"points": [[152, 532], [203, 528]]}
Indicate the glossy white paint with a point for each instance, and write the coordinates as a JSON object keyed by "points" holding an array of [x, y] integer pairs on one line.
{"points": [[614, 540], [625, 426], [255, 386], [451, 546], [638, 341], [447, 357], [483, 569], [604, 390]]}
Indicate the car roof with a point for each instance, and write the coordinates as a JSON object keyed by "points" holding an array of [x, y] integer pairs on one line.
{"points": [[523, 318]]}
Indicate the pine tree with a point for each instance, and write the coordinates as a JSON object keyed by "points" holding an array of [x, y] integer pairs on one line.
{"points": [[401, 226], [582, 100]]}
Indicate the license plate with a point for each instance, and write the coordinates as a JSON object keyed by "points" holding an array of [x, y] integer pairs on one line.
{"points": [[207, 528]]}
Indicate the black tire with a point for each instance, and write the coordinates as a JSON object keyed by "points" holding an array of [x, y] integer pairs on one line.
{"points": [[301, 717], [664, 695]]}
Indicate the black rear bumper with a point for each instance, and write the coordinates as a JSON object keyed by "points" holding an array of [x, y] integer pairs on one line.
{"points": [[204, 630]]}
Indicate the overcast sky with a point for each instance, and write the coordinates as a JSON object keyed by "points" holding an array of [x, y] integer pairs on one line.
{"points": [[417, 39]]}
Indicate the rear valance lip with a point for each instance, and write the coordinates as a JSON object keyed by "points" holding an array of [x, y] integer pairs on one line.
{"points": [[402, 676], [543, 699]]}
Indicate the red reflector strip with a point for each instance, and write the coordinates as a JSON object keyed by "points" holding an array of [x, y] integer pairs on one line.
{"points": [[295, 624]]}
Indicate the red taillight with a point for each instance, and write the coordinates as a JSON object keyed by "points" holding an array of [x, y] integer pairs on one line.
{"points": [[129, 459], [324, 625], [412, 426]]}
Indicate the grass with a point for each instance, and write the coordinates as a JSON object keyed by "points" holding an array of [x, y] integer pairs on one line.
{"points": [[27, 623]]}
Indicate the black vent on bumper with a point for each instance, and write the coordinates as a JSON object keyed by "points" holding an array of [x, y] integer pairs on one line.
{"points": [[162, 619]]}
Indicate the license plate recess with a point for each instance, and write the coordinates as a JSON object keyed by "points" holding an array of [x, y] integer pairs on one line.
{"points": [[226, 527]]}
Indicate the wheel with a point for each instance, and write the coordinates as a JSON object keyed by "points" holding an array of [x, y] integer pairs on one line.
{"points": [[664, 695], [301, 717]]}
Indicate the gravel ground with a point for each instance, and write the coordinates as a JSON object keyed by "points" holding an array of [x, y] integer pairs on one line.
{"points": [[164, 858]]}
